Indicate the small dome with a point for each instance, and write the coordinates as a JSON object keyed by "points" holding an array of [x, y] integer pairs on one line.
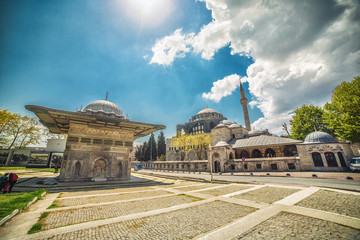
{"points": [[226, 122], [221, 144], [105, 107], [220, 125], [319, 137], [258, 132], [234, 125]]}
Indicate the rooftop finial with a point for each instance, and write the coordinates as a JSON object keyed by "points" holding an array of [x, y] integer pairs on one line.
{"points": [[207, 106], [107, 93]]}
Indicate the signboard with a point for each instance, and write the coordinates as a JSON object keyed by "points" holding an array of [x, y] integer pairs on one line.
{"points": [[139, 166], [243, 159]]}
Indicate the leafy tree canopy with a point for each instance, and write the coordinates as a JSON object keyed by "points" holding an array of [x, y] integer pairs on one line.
{"points": [[342, 114], [18, 131], [307, 118], [161, 145], [186, 142]]}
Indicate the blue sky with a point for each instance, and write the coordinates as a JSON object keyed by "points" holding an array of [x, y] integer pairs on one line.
{"points": [[157, 58], [64, 54]]}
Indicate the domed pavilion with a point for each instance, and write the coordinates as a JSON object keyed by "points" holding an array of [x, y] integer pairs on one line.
{"points": [[99, 140], [322, 152]]}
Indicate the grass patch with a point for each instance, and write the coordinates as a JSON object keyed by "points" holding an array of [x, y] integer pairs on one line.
{"points": [[43, 215], [55, 204], [12, 201], [36, 228]]}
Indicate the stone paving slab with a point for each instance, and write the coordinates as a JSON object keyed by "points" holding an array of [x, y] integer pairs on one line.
{"points": [[181, 224], [74, 216], [90, 192], [267, 194], [181, 184], [108, 198], [292, 226], [225, 189], [195, 187], [331, 201]]}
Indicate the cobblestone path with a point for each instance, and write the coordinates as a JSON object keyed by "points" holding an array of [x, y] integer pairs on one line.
{"points": [[330, 201], [108, 198], [173, 225], [119, 190], [292, 226], [267, 194], [66, 217], [176, 209], [218, 191]]}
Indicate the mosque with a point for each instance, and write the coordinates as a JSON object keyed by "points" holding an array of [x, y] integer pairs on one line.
{"points": [[237, 148], [99, 142]]}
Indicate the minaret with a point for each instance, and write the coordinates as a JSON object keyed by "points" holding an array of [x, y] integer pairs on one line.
{"points": [[243, 101]]}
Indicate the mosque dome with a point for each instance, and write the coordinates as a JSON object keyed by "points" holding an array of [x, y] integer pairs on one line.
{"points": [[220, 125], [207, 110], [221, 144], [258, 132], [103, 106], [226, 122], [206, 113], [319, 137], [234, 125]]}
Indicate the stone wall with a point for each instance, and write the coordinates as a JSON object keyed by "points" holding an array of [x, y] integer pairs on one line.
{"points": [[96, 154], [306, 152], [252, 165]]}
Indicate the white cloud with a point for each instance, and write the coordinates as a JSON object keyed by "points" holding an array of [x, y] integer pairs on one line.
{"points": [[274, 124], [302, 50], [170, 47], [223, 88]]}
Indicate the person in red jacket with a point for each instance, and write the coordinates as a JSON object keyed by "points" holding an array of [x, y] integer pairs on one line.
{"points": [[12, 180]]}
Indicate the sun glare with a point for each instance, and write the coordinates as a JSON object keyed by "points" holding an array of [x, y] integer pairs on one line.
{"points": [[148, 12]]}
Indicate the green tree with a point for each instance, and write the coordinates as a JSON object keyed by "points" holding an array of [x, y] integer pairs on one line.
{"points": [[139, 154], [145, 152], [18, 131], [307, 118], [161, 145], [342, 114], [6, 118], [152, 147]]}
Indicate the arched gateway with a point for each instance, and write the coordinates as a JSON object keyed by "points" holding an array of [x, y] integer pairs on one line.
{"points": [[99, 140]]}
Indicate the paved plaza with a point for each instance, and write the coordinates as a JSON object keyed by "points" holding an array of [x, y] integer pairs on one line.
{"points": [[179, 209]]}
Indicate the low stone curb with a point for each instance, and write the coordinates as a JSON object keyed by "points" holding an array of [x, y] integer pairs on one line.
{"points": [[16, 211]]}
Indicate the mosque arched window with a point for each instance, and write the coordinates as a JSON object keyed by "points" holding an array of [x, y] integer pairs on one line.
{"points": [[317, 159], [342, 159], [244, 154], [256, 154], [290, 150], [330, 159], [270, 153], [211, 125]]}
